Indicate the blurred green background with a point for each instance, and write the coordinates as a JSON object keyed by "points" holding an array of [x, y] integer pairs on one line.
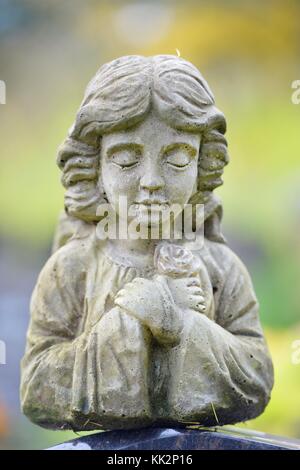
{"points": [[249, 53]]}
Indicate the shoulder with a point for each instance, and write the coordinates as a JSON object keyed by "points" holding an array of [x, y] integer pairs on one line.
{"points": [[224, 256], [232, 284], [222, 263], [69, 262]]}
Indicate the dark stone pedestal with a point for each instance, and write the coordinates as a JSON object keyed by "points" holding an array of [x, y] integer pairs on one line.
{"points": [[180, 439]]}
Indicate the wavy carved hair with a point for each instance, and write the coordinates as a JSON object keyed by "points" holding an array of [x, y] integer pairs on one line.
{"points": [[120, 96]]}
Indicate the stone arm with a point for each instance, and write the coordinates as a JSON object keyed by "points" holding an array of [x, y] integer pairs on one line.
{"points": [[222, 371], [47, 368], [79, 377]]}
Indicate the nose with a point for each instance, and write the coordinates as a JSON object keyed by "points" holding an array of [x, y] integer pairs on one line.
{"points": [[152, 180]]}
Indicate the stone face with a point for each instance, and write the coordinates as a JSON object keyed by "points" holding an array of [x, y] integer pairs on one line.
{"points": [[133, 331]]}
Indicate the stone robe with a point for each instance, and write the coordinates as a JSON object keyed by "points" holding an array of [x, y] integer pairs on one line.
{"points": [[90, 365]]}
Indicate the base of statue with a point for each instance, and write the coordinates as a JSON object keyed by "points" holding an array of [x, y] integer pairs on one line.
{"points": [[227, 438]]}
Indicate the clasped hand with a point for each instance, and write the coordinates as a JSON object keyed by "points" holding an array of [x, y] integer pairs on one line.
{"points": [[161, 304]]}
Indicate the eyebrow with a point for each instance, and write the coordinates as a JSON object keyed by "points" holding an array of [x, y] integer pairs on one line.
{"points": [[123, 146], [180, 145]]}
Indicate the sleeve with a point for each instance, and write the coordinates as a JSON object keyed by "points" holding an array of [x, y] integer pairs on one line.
{"points": [[76, 376], [47, 366], [225, 362]]}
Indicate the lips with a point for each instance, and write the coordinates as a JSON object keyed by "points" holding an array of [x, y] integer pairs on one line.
{"points": [[150, 202], [153, 205]]}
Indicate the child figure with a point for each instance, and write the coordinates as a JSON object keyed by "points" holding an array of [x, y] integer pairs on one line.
{"points": [[131, 332]]}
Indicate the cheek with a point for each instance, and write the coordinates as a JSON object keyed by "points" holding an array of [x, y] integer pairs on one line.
{"points": [[118, 183], [180, 184]]}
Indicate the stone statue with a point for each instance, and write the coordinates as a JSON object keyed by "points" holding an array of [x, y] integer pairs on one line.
{"points": [[132, 332]]}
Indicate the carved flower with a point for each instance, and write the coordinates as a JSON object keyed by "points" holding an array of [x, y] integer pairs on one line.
{"points": [[175, 261]]}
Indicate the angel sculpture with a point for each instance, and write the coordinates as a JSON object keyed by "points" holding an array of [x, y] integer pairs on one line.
{"points": [[127, 333]]}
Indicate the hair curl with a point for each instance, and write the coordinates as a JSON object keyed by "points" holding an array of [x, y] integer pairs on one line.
{"points": [[120, 96]]}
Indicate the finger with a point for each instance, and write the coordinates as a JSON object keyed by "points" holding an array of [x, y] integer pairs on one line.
{"points": [[122, 301], [121, 292], [124, 295], [194, 290], [119, 299], [197, 299], [193, 281], [201, 308], [129, 285], [130, 288]]}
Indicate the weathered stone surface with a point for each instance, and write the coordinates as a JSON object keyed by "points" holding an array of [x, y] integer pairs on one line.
{"points": [[129, 332]]}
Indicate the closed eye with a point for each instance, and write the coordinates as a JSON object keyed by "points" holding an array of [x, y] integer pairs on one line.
{"points": [[125, 157], [179, 155], [178, 159], [178, 165], [126, 165]]}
